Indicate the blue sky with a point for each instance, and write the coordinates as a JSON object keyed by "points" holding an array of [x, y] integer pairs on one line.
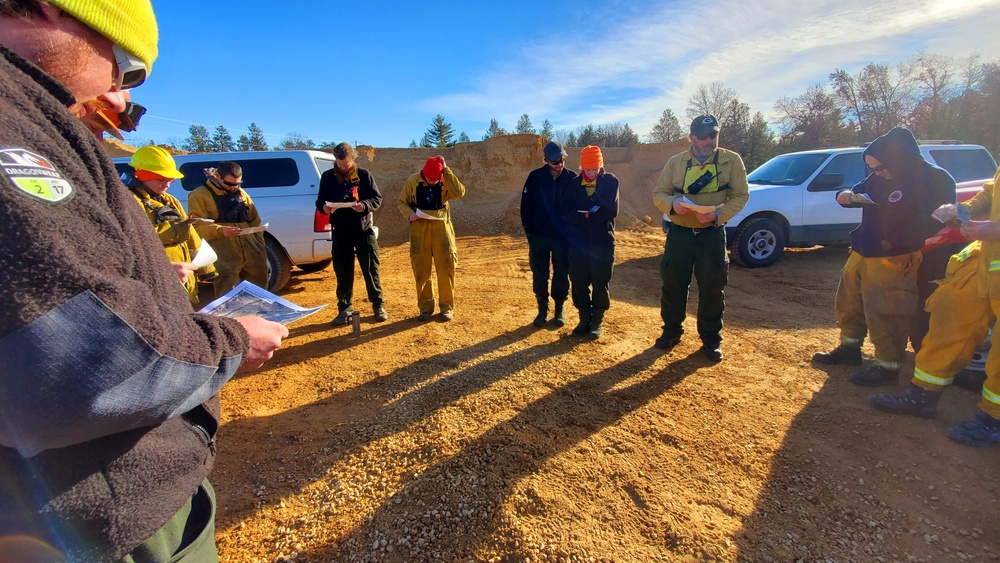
{"points": [[377, 72]]}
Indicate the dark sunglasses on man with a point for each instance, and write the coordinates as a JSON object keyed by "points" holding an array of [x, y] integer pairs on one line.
{"points": [[130, 71], [231, 184], [130, 117], [707, 136]]}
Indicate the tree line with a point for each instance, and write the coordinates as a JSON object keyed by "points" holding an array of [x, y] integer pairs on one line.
{"points": [[935, 96]]}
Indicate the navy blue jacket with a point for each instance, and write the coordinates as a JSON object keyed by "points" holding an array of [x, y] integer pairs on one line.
{"points": [[539, 203], [597, 230], [901, 221]]}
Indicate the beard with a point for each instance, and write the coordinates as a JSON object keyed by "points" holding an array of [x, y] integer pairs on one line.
{"points": [[704, 153], [66, 60]]}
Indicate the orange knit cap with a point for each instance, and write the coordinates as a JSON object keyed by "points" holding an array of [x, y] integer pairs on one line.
{"points": [[591, 157]]}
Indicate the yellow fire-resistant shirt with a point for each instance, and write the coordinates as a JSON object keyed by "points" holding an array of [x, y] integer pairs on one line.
{"points": [[731, 172]]}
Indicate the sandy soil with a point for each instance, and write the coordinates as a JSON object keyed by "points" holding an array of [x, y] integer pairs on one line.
{"points": [[486, 439]]}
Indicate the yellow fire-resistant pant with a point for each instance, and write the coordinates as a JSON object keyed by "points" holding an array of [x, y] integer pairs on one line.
{"points": [[878, 297], [961, 309], [433, 242]]}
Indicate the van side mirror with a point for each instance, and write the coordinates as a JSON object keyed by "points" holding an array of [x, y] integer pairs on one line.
{"points": [[825, 182]]}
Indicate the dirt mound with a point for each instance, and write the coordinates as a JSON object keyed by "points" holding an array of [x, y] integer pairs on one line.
{"points": [[493, 172], [116, 148]]}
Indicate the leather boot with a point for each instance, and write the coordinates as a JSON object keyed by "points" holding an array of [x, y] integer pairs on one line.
{"points": [[559, 318], [875, 376], [843, 354], [595, 324], [584, 326], [979, 431], [914, 401], [543, 311]]}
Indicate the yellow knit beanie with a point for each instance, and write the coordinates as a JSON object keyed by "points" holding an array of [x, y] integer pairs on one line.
{"points": [[129, 23]]}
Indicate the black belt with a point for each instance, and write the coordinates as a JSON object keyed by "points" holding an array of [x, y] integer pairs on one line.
{"points": [[695, 230]]}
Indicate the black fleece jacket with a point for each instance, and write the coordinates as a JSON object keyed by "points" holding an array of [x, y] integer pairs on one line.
{"points": [[85, 464], [901, 221]]}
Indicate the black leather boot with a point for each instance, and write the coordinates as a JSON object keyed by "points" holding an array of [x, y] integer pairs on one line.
{"points": [[543, 311], [595, 325], [843, 354], [914, 401], [584, 326], [559, 317]]}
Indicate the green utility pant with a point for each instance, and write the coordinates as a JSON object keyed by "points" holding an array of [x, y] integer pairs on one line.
{"points": [[188, 537], [703, 252]]}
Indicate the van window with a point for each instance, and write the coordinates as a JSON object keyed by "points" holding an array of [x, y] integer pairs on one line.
{"points": [[851, 165], [257, 173], [787, 170], [965, 165]]}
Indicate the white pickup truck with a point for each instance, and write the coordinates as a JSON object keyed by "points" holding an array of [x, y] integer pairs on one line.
{"points": [[792, 197]]}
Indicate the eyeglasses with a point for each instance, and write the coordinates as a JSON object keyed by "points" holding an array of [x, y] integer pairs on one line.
{"points": [[130, 71], [708, 136], [232, 184], [557, 162], [879, 168]]}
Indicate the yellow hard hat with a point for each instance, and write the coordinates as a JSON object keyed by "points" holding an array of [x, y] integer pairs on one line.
{"points": [[157, 160]]}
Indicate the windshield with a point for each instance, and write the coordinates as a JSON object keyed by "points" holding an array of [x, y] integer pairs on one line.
{"points": [[787, 169]]}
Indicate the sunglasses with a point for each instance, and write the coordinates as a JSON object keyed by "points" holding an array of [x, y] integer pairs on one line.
{"points": [[232, 184], [557, 162], [130, 71], [130, 117], [708, 136]]}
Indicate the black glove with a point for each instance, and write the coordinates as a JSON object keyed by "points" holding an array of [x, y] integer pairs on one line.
{"points": [[167, 214]]}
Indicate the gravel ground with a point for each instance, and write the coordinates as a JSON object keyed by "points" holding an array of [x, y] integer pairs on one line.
{"points": [[485, 439]]}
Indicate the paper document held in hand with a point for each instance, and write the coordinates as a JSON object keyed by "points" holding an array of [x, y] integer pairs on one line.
{"points": [[685, 202], [423, 215], [252, 230], [206, 255]]}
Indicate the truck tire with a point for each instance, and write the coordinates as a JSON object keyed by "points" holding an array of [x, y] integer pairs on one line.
{"points": [[759, 242], [279, 267], [315, 266]]}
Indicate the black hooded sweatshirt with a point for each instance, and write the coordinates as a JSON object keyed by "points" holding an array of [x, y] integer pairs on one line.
{"points": [[901, 221]]}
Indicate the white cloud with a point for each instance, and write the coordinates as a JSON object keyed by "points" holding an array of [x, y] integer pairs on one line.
{"points": [[764, 49]]}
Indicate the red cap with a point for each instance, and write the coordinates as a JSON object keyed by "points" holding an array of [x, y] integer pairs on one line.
{"points": [[433, 169]]}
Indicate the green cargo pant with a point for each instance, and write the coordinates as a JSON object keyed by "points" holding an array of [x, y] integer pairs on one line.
{"points": [[188, 537]]}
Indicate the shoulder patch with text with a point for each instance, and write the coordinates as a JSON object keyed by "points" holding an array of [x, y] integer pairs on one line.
{"points": [[34, 175]]}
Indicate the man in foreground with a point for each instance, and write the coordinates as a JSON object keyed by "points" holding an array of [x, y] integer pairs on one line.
{"points": [[546, 232], [699, 190], [222, 199], [354, 190], [878, 291], [109, 379], [961, 308]]}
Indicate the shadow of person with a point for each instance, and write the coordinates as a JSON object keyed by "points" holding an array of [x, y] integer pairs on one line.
{"points": [[469, 488]]}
